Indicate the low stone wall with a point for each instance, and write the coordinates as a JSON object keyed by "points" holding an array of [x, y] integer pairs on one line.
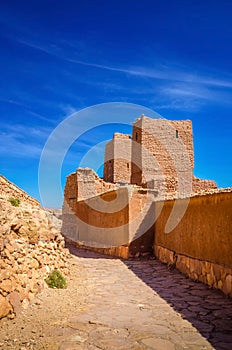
{"points": [[200, 245], [30, 248], [199, 185], [215, 275], [9, 189]]}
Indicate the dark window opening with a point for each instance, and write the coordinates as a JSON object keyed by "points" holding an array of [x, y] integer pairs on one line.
{"points": [[177, 134], [136, 136], [128, 165]]}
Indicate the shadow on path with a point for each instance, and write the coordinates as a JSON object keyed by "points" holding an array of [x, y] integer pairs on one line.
{"points": [[208, 310]]}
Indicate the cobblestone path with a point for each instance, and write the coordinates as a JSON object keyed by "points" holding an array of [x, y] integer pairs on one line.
{"points": [[138, 304]]}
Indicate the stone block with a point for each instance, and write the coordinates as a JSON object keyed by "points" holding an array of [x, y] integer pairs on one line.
{"points": [[15, 301], [5, 307]]}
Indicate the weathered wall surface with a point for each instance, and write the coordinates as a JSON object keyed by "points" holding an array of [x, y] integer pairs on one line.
{"points": [[117, 162], [200, 185], [99, 223], [164, 154], [8, 189], [30, 247], [122, 223], [85, 183], [200, 245], [111, 222]]}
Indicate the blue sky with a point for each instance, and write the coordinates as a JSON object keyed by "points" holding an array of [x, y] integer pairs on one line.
{"points": [[58, 57]]}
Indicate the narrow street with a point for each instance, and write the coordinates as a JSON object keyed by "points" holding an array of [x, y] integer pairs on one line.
{"points": [[113, 304]]}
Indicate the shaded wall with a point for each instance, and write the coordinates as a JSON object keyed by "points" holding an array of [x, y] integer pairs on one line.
{"points": [[112, 222], [201, 244]]}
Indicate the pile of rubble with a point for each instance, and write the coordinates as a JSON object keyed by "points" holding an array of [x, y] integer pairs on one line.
{"points": [[30, 247]]}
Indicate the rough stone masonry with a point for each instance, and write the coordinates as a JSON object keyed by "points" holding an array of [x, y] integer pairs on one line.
{"points": [[30, 248], [143, 173]]}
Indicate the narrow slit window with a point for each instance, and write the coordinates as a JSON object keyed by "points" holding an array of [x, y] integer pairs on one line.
{"points": [[177, 134], [136, 136]]}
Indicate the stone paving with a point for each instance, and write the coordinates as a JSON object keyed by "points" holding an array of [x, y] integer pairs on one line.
{"points": [[114, 304], [140, 304]]}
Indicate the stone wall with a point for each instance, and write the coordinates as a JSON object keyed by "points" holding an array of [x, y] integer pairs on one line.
{"points": [[30, 247], [85, 183], [163, 154], [159, 156], [97, 223], [117, 162], [112, 222], [200, 245], [130, 221], [8, 189], [200, 185]]}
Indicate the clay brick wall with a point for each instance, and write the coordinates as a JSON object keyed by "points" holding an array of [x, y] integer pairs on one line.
{"points": [[202, 185], [88, 223], [8, 189], [83, 184], [117, 163], [164, 147], [160, 156], [108, 175], [110, 222], [200, 245]]}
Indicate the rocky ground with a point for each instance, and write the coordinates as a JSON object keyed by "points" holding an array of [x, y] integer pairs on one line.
{"points": [[113, 304], [55, 215], [30, 248]]}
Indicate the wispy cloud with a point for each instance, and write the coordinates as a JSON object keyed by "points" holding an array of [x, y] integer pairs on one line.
{"points": [[24, 131], [168, 73], [173, 83], [22, 141], [10, 146], [178, 104], [25, 107], [188, 91]]}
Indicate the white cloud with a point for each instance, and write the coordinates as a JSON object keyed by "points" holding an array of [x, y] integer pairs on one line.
{"points": [[11, 146], [167, 72], [22, 141], [187, 90]]}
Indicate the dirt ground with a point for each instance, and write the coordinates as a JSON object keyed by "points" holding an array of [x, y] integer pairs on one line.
{"points": [[34, 327]]}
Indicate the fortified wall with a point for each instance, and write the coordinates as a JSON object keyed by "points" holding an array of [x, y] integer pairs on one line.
{"points": [[83, 184], [109, 222], [159, 155], [200, 245], [117, 163], [149, 182]]}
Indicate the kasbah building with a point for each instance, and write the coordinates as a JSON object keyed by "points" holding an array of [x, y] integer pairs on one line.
{"points": [[150, 203]]}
